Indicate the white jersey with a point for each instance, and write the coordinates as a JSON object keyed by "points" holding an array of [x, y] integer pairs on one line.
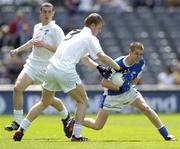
{"points": [[75, 45], [51, 34]]}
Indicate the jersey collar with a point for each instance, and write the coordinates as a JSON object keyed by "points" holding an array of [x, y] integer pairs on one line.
{"points": [[49, 24], [124, 61]]}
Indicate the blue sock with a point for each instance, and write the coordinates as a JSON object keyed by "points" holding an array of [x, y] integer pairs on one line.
{"points": [[164, 132]]}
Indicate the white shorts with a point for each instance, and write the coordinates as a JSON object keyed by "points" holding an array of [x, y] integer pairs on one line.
{"points": [[58, 80], [117, 102], [35, 71]]}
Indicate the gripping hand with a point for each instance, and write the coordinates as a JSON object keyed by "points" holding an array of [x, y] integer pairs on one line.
{"points": [[128, 77], [104, 71]]}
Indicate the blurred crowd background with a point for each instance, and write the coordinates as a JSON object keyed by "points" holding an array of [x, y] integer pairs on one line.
{"points": [[155, 23]]}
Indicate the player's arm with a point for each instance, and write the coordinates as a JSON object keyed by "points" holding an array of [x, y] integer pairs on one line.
{"points": [[135, 81], [108, 84], [105, 72], [89, 62], [41, 44], [105, 59], [25, 46]]}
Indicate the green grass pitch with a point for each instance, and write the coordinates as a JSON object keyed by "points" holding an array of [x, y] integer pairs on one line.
{"points": [[122, 131]]}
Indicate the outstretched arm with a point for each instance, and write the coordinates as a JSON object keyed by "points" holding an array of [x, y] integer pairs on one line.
{"points": [[89, 62], [25, 46], [105, 59]]}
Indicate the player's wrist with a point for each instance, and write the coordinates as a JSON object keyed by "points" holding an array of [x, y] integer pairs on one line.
{"points": [[17, 50], [98, 66]]}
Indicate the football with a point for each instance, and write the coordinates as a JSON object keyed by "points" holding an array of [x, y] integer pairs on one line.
{"points": [[117, 79]]}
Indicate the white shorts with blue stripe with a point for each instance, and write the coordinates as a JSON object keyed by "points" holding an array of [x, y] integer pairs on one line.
{"points": [[117, 102]]}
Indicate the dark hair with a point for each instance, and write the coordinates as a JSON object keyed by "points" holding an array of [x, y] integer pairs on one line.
{"points": [[136, 45], [47, 5], [93, 18]]}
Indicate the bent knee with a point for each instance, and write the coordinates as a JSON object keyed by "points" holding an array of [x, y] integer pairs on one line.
{"points": [[46, 102], [17, 88], [98, 127]]}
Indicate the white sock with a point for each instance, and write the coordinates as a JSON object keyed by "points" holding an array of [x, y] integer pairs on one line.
{"points": [[18, 114], [64, 113], [25, 124], [77, 130]]}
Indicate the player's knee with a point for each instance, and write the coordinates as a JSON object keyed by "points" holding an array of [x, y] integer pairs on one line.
{"points": [[83, 100], [98, 127], [17, 88], [46, 102], [146, 109]]}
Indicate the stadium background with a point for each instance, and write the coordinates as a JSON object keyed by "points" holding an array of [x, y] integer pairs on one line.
{"points": [[155, 23]]}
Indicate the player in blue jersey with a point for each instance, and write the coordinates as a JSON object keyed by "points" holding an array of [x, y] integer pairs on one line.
{"points": [[115, 98]]}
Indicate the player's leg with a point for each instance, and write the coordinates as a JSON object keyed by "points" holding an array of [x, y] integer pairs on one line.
{"points": [[46, 100], [153, 117], [80, 96], [99, 122], [22, 82], [58, 104]]}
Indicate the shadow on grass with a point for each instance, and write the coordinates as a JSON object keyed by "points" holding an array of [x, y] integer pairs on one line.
{"points": [[68, 140]]}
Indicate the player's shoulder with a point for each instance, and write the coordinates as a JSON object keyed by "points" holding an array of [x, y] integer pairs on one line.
{"points": [[142, 61], [56, 27], [38, 25], [119, 58], [92, 38]]}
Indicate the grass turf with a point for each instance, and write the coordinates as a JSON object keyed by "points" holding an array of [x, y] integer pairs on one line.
{"points": [[122, 131]]}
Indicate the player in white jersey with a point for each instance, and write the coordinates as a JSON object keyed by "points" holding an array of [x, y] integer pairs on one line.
{"points": [[61, 73], [46, 38], [115, 98]]}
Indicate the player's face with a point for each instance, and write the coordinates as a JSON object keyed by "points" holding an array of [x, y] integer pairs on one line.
{"points": [[96, 29], [46, 15], [136, 55]]}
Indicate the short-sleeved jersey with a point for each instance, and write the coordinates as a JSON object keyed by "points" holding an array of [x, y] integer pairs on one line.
{"points": [[135, 69], [75, 45], [51, 34]]}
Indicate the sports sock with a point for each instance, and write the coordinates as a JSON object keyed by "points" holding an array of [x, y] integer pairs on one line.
{"points": [[25, 124], [77, 130], [18, 114], [64, 113], [163, 131]]}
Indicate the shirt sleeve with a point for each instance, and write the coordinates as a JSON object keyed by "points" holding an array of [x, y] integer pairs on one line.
{"points": [[34, 30], [94, 47], [59, 35], [140, 72]]}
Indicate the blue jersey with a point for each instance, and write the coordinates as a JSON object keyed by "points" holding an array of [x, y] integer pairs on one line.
{"points": [[135, 69]]}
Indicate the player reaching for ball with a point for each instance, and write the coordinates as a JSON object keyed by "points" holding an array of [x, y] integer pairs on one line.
{"points": [[117, 97]]}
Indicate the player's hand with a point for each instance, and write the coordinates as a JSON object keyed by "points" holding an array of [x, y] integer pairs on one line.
{"points": [[38, 43], [13, 52], [125, 86], [128, 77], [104, 71]]}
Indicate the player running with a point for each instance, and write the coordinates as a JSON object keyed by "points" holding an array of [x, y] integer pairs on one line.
{"points": [[46, 38]]}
